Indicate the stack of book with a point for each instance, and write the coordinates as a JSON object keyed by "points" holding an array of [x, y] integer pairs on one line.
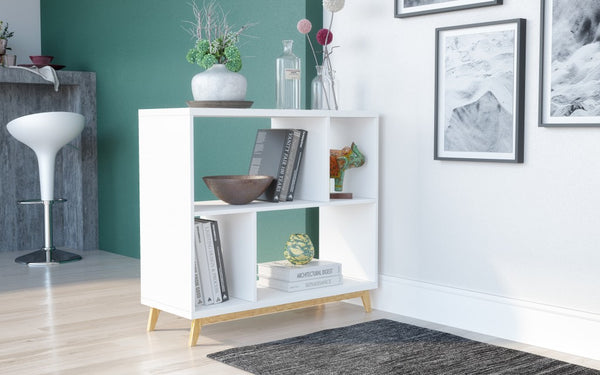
{"points": [[288, 277], [211, 284], [278, 153]]}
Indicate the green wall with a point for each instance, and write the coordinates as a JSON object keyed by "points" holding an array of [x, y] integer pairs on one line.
{"points": [[137, 49]]}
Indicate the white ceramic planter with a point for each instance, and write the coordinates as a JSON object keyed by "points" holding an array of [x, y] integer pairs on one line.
{"points": [[218, 83]]}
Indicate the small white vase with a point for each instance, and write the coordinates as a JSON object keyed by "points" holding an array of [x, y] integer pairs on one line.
{"points": [[219, 83]]}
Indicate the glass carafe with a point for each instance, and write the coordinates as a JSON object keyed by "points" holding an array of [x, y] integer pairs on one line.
{"points": [[288, 78]]}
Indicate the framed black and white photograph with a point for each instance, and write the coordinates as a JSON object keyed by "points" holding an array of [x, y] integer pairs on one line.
{"points": [[479, 92], [408, 8], [569, 72]]}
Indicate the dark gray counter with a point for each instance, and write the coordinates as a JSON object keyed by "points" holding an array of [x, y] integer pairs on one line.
{"points": [[76, 221]]}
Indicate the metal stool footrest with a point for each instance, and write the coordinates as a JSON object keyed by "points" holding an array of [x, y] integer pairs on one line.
{"points": [[39, 201]]}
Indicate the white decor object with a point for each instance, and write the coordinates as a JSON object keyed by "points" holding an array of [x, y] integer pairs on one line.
{"points": [[219, 83], [46, 133]]}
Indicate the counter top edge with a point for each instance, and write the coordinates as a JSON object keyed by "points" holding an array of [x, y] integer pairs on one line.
{"points": [[65, 77]]}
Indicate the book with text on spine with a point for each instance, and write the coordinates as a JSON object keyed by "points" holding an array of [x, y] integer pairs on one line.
{"points": [[270, 157], [296, 286], [214, 254], [219, 257], [296, 166], [293, 165], [215, 283], [286, 271], [199, 297], [207, 296]]}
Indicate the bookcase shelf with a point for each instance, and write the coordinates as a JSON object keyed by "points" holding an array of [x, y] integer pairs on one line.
{"points": [[218, 207], [348, 228]]}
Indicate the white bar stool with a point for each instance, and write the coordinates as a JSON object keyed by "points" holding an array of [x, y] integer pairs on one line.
{"points": [[46, 133]]}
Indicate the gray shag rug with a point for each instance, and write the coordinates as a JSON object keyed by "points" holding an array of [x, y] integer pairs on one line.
{"points": [[388, 347]]}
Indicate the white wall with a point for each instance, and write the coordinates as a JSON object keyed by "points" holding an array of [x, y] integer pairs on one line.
{"points": [[511, 250], [23, 17]]}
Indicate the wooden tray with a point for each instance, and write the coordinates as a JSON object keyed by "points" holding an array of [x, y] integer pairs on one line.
{"points": [[219, 103]]}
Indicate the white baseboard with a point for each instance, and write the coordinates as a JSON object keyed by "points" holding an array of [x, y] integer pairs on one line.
{"points": [[556, 328]]}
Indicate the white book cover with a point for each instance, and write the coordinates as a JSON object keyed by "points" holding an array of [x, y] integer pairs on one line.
{"points": [[207, 293], [295, 286], [286, 271], [215, 284]]}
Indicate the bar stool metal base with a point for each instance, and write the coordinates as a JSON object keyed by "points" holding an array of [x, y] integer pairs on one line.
{"points": [[47, 255], [40, 257]]}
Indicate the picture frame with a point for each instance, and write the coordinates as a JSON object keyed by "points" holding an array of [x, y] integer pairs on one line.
{"points": [[569, 95], [410, 8], [479, 91]]}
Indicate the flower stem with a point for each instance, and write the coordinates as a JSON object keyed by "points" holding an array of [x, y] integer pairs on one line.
{"points": [[329, 67], [312, 49]]}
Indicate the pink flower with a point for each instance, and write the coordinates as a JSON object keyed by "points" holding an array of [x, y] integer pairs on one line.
{"points": [[324, 37], [304, 26]]}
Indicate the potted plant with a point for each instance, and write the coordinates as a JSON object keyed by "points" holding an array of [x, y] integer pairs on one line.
{"points": [[216, 50], [4, 36]]}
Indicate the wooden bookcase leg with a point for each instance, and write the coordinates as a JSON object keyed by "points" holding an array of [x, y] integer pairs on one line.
{"points": [[195, 332], [366, 300], [152, 318]]}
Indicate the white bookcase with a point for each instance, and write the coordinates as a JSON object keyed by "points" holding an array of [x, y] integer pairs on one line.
{"points": [[348, 228]]}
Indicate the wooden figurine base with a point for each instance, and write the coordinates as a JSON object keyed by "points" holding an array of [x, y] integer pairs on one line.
{"points": [[340, 195]]}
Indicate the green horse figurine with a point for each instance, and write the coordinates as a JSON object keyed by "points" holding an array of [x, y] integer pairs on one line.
{"points": [[341, 160]]}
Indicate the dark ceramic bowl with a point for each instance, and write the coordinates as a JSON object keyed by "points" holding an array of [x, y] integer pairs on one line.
{"points": [[41, 60], [237, 189]]}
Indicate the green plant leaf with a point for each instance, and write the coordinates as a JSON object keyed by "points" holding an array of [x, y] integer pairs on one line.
{"points": [[208, 60]]}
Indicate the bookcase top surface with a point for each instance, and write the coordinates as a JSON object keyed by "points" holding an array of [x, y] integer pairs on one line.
{"points": [[255, 112]]}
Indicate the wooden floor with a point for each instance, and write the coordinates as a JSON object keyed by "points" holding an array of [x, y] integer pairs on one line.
{"points": [[86, 318]]}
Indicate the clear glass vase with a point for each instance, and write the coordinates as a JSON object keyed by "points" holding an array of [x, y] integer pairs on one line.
{"points": [[288, 78], [321, 91]]}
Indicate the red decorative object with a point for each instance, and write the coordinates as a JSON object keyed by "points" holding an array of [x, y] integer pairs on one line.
{"points": [[324, 37], [41, 60]]}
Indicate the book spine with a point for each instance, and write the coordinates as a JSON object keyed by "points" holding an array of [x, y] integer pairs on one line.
{"points": [[299, 285], [297, 163], [282, 165], [220, 264], [212, 263], [199, 299], [289, 168], [299, 274], [207, 294]]}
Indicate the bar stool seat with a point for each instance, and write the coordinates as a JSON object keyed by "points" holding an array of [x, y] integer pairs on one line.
{"points": [[46, 133]]}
